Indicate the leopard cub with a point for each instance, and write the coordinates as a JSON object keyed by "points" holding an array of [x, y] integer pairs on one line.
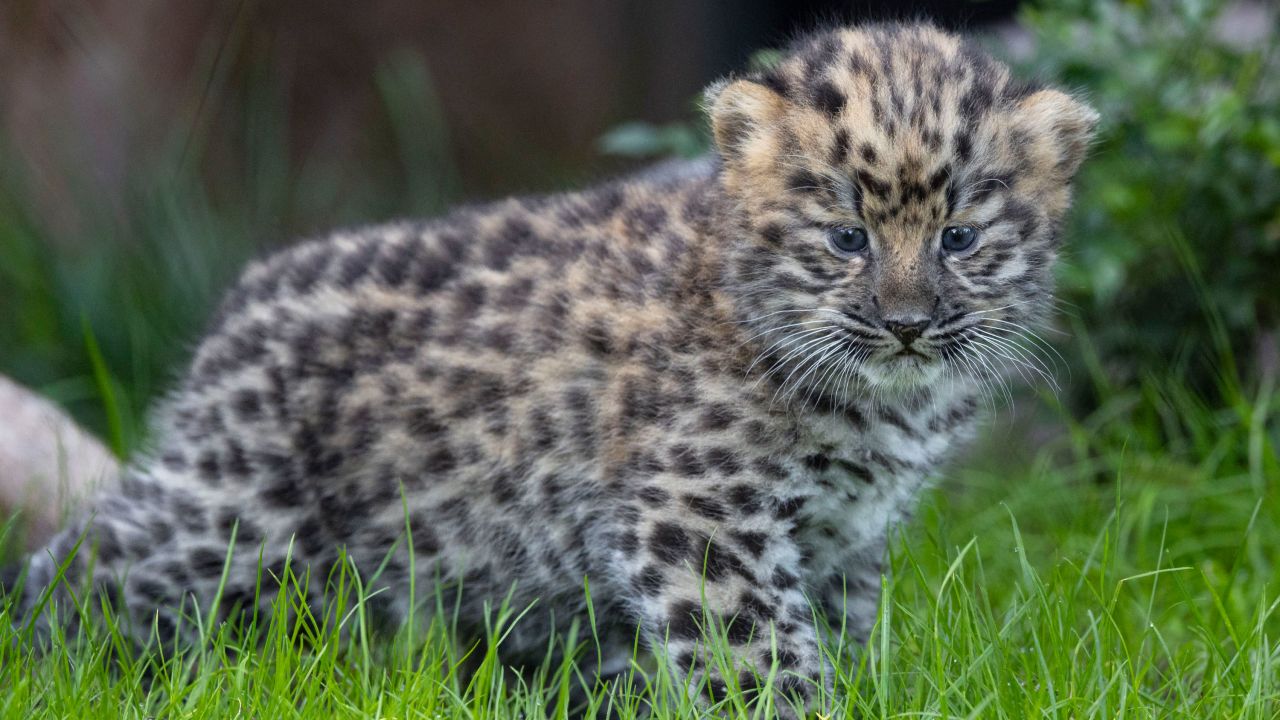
{"points": [[711, 389]]}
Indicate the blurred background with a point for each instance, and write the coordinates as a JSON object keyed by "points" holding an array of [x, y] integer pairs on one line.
{"points": [[149, 148]]}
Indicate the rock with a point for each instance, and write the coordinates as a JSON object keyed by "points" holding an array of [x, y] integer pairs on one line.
{"points": [[48, 464]]}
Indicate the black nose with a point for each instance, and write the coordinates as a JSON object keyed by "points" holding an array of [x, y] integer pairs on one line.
{"points": [[907, 332]]}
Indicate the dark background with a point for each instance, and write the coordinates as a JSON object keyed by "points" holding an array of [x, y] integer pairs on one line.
{"points": [[525, 89]]}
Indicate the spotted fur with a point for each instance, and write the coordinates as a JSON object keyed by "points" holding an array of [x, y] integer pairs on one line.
{"points": [[672, 385]]}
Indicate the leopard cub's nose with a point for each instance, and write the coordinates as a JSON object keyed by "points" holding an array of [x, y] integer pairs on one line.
{"points": [[906, 332]]}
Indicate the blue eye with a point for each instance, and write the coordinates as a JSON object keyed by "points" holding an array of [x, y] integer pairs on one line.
{"points": [[959, 238], [848, 239]]}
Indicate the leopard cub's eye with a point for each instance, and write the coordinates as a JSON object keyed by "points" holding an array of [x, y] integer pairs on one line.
{"points": [[959, 238], [847, 240]]}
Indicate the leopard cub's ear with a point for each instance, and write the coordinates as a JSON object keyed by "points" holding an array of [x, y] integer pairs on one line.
{"points": [[741, 112], [1058, 129]]}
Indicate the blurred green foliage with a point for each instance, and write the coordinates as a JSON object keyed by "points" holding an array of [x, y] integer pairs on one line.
{"points": [[1178, 210], [644, 140]]}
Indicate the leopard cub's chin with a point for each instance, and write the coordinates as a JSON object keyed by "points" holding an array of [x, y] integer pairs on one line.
{"points": [[903, 372]]}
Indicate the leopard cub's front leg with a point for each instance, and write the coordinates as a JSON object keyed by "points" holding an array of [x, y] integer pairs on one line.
{"points": [[699, 562]]}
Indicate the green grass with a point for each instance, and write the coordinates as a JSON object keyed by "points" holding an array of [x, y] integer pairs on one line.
{"points": [[1124, 570]]}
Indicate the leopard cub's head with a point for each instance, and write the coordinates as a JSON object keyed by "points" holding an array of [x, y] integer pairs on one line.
{"points": [[895, 197]]}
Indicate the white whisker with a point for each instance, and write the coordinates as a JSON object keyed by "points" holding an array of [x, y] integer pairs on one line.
{"points": [[1030, 360], [804, 361], [782, 341]]}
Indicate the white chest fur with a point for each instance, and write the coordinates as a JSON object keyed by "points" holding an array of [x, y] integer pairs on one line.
{"points": [[865, 478]]}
